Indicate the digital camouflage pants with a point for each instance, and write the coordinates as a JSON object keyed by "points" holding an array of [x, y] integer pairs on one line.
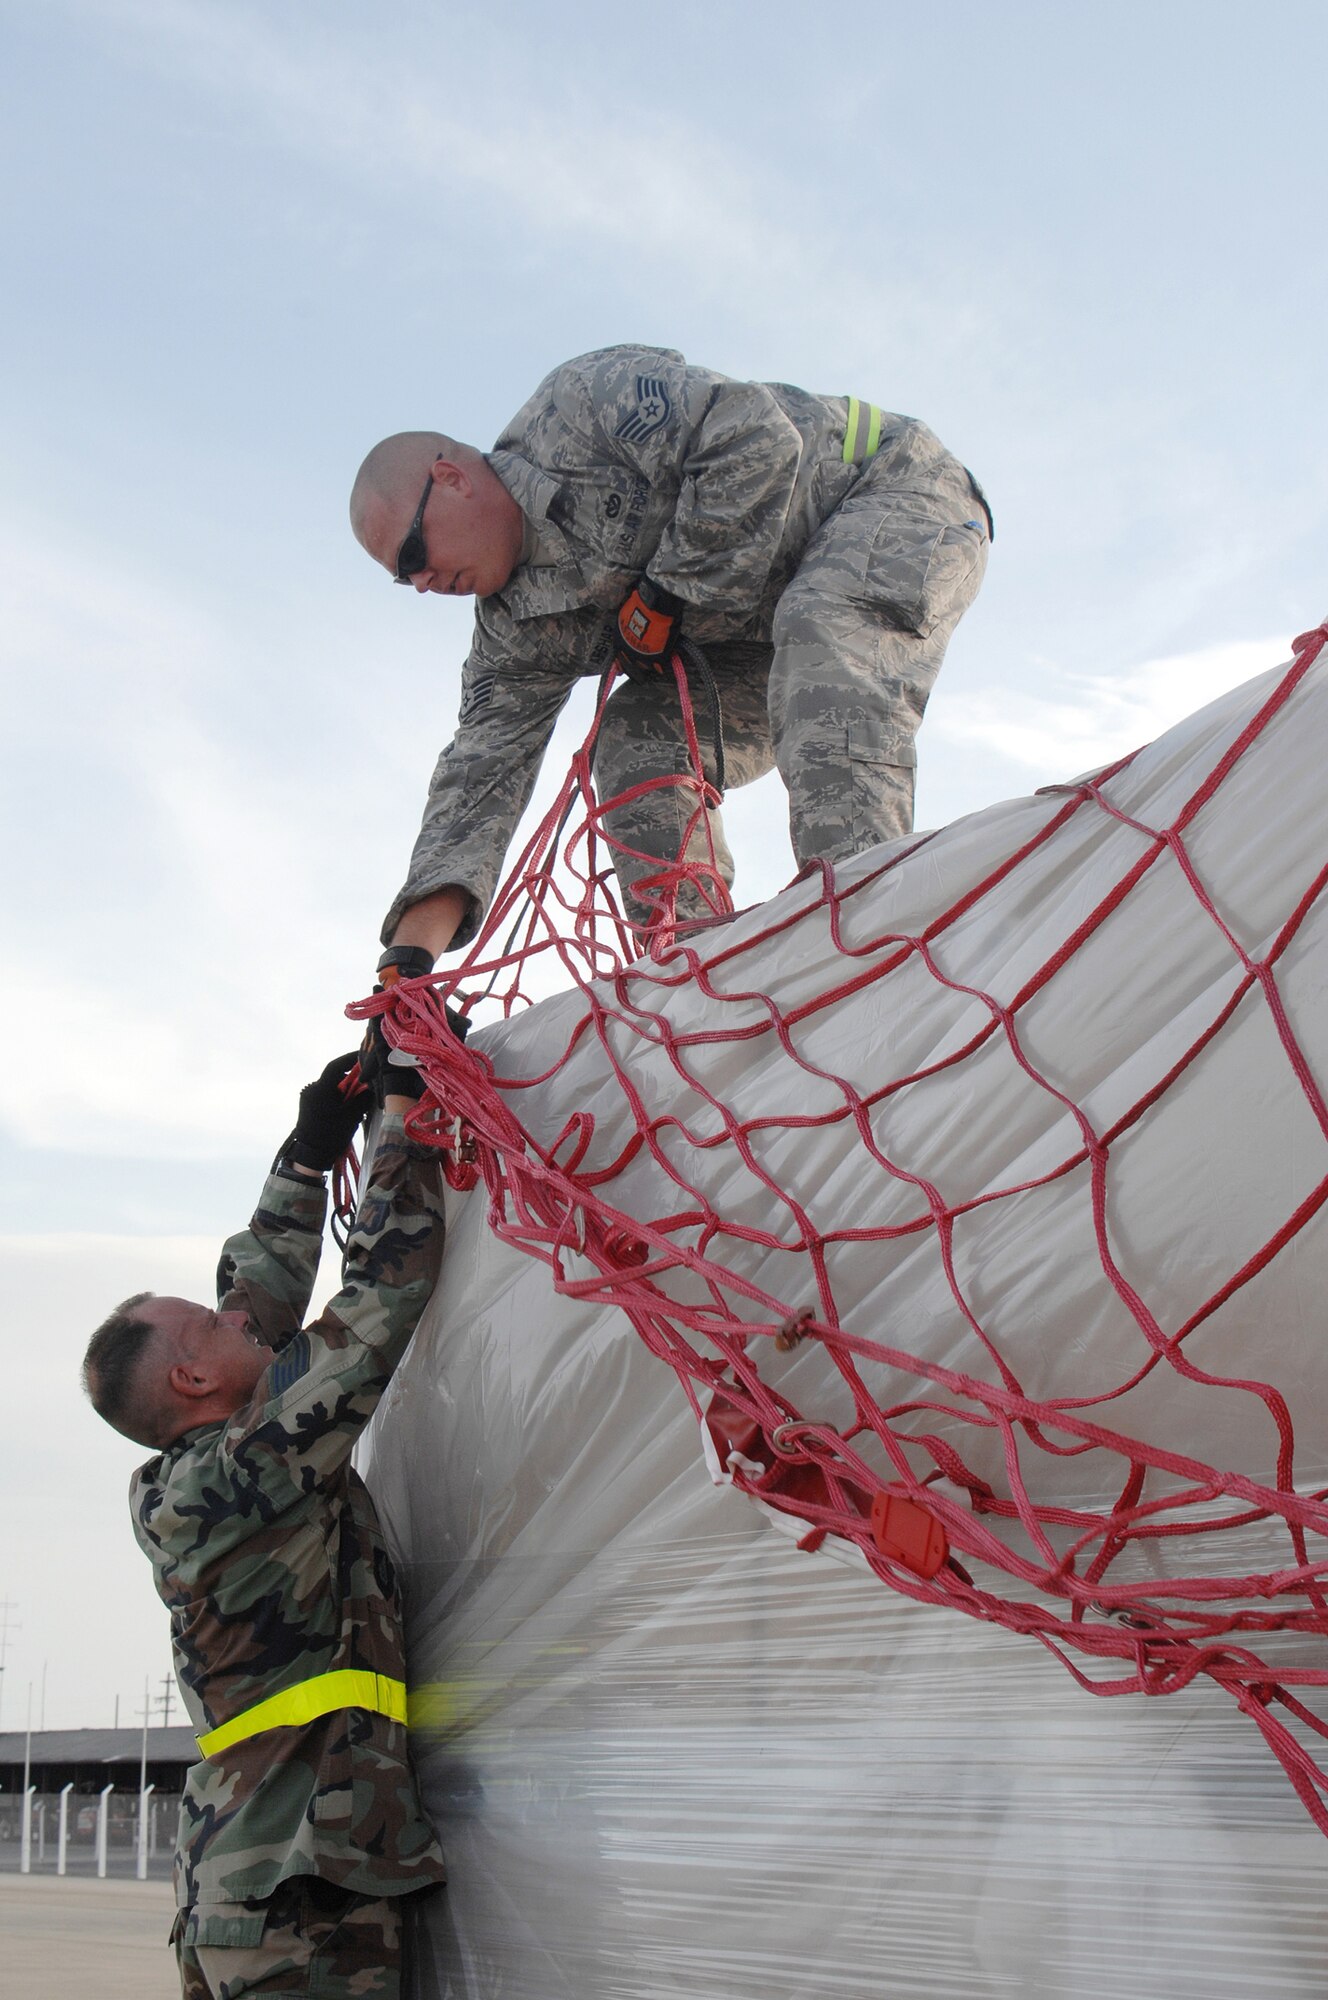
{"points": [[859, 636], [308, 1938]]}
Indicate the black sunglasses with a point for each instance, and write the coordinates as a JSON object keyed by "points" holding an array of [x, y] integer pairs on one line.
{"points": [[412, 556]]}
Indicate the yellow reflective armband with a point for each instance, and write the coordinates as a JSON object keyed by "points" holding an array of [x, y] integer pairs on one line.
{"points": [[324, 1694], [862, 433]]}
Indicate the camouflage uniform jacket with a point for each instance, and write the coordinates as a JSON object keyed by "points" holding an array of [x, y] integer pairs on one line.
{"points": [[628, 462], [267, 1551]]}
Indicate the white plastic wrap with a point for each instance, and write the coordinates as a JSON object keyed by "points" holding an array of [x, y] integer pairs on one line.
{"points": [[668, 1753]]}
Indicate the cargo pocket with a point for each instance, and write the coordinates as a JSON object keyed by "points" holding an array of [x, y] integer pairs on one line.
{"points": [[873, 740], [881, 767], [918, 572]]}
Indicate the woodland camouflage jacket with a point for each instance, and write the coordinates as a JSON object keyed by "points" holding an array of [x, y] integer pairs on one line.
{"points": [[267, 1551]]}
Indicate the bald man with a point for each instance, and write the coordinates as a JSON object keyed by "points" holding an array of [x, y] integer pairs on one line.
{"points": [[300, 1829], [818, 549]]}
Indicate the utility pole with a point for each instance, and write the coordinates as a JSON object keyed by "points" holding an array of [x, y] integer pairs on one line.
{"points": [[166, 1697], [147, 1717]]}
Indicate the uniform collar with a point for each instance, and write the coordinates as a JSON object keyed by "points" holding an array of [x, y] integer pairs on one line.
{"points": [[548, 578], [536, 494]]}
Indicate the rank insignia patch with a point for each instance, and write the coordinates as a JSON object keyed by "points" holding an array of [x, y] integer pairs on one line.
{"points": [[477, 697], [290, 1364], [651, 412]]}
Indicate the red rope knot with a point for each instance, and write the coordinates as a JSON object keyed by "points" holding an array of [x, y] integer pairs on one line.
{"points": [[1313, 638], [622, 1248], [790, 1331]]}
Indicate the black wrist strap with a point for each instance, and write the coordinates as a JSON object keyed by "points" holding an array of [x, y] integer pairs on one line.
{"points": [[409, 961], [655, 598]]}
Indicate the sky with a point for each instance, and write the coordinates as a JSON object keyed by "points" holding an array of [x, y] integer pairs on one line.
{"points": [[240, 242]]}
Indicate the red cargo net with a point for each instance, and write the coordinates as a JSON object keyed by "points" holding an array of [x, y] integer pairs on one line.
{"points": [[559, 904]]}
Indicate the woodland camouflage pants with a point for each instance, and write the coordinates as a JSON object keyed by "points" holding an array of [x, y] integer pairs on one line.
{"points": [[308, 1938]]}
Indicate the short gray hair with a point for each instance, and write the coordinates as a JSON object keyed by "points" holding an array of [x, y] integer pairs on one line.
{"points": [[112, 1373]]}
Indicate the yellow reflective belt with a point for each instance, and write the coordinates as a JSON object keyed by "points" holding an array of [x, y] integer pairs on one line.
{"points": [[348, 1687], [861, 442]]}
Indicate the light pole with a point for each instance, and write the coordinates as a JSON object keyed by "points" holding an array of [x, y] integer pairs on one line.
{"points": [[141, 1868], [25, 1848]]}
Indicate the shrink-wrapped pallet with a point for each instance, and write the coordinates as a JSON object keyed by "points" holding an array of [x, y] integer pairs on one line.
{"points": [[669, 1752]]}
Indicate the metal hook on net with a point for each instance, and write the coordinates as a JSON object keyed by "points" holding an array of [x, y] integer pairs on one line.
{"points": [[815, 1441]]}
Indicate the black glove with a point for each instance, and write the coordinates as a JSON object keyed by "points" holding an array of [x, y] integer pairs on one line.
{"points": [[647, 630], [328, 1118], [382, 1076], [386, 1078]]}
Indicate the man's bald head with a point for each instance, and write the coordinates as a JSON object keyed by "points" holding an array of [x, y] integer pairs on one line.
{"points": [[471, 526], [393, 475]]}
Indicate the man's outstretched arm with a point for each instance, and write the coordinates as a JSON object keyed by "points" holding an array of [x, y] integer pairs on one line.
{"points": [[268, 1269], [296, 1432], [309, 1408]]}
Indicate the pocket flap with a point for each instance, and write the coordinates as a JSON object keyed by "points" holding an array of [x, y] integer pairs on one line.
{"points": [[221, 1923], [874, 741]]}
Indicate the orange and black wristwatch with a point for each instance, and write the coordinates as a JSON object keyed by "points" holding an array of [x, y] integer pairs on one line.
{"points": [[648, 629], [404, 961]]}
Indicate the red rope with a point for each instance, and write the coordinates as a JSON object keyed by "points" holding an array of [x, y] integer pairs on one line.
{"points": [[1152, 1638]]}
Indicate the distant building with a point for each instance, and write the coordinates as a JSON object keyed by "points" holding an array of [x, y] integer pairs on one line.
{"points": [[92, 1758]]}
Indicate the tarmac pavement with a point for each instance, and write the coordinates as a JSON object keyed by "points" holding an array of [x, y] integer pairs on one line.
{"points": [[62, 1939]]}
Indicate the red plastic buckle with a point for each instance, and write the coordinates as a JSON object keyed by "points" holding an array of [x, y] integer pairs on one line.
{"points": [[461, 1159], [907, 1533]]}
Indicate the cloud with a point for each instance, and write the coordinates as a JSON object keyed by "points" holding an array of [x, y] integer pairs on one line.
{"points": [[190, 914], [549, 159], [1084, 719]]}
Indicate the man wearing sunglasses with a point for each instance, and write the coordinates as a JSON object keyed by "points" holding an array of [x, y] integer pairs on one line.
{"points": [[819, 550]]}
